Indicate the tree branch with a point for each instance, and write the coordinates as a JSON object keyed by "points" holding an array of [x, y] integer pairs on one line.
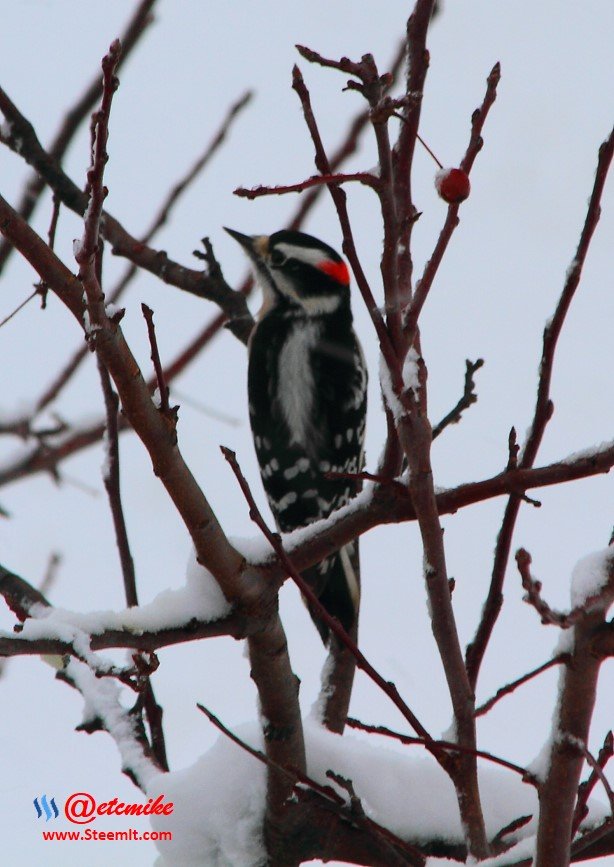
{"points": [[415, 437], [160, 219], [559, 659], [572, 718], [468, 398], [155, 357], [403, 152], [549, 616], [365, 178], [542, 413], [444, 746], [585, 789], [339, 199], [111, 479], [423, 286], [73, 119], [23, 140]]}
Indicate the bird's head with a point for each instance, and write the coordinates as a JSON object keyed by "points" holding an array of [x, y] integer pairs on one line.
{"points": [[297, 270]]}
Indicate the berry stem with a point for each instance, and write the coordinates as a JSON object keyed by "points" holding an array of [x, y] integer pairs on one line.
{"points": [[428, 150]]}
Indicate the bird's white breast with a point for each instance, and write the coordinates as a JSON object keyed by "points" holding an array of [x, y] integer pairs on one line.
{"points": [[296, 383]]}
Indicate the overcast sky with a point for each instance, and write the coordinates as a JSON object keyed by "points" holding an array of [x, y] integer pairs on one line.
{"points": [[499, 284]]}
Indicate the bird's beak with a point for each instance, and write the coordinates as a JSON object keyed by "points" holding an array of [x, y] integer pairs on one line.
{"points": [[256, 246]]}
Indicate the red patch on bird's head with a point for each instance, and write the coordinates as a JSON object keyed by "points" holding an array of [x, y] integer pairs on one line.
{"points": [[337, 270]]}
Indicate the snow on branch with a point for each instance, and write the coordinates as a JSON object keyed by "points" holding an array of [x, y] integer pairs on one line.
{"points": [[103, 709], [592, 593], [592, 588]]}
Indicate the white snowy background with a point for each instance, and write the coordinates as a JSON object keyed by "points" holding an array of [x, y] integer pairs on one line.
{"points": [[497, 287]]}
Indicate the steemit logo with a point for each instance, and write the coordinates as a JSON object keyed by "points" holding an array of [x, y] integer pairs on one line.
{"points": [[48, 808]]}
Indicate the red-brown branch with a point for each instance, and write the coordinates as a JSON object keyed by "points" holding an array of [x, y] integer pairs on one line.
{"points": [[111, 479], [542, 413], [159, 220], [597, 769], [560, 659], [349, 248], [552, 332], [550, 616], [444, 746], [423, 286], [365, 178], [155, 357], [294, 774], [403, 154], [585, 789], [467, 399]]}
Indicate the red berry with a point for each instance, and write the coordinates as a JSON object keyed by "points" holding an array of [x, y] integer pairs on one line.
{"points": [[452, 185]]}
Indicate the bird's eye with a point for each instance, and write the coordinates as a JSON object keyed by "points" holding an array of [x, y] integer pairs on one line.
{"points": [[277, 258]]}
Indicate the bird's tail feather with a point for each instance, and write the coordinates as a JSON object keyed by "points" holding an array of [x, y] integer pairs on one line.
{"points": [[336, 583]]}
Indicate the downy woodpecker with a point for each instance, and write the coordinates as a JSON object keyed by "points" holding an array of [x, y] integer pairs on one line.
{"points": [[307, 390]]}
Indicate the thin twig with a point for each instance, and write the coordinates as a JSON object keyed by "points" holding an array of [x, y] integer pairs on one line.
{"points": [[349, 144], [447, 746], [95, 191], [365, 178], [155, 357], [498, 844], [19, 307], [204, 409], [365, 476], [293, 774], [219, 138], [585, 789], [360, 818], [111, 479], [23, 140], [552, 331], [53, 225], [560, 659], [597, 769], [427, 149], [468, 398]]}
